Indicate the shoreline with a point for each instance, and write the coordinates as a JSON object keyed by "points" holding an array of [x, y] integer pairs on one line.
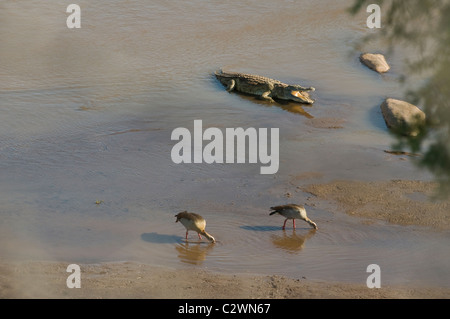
{"points": [[366, 201], [400, 202], [129, 280]]}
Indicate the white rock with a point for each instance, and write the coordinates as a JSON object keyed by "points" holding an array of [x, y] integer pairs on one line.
{"points": [[376, 62], [402, 116]]}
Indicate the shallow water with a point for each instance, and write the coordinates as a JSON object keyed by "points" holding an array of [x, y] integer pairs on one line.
{"points": [[87, 115]]}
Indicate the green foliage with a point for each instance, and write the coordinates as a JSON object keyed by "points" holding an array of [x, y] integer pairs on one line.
{"points": [[424, 26]]}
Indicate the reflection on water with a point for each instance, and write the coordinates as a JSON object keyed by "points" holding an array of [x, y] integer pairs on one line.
{"points": [[292, 243], [193, 253], [296, 109], [291, 107]]}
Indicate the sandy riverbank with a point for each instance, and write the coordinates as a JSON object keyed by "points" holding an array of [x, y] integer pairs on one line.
{"points": [[400, 202], [133, 280]]}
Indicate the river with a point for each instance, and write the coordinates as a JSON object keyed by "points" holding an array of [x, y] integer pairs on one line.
{"points": [[86, 173]]}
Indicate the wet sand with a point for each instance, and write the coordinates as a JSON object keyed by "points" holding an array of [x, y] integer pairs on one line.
{"points": [[132, 280], [397, 201], [365, 200]]}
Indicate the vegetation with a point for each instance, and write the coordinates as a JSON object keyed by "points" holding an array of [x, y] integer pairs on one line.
{"points": [[422, 26]]}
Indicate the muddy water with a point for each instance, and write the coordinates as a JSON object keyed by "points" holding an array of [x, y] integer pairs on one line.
{"points": [[87, 115]]}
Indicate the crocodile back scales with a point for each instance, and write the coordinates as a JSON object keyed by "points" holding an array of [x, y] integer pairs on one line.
{"points": [[249, 78]]}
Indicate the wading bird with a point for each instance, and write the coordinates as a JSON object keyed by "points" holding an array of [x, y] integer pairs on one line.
{"points": [[292, 211], [195, 222]]}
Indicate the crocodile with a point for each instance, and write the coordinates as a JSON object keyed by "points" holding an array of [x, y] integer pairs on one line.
{"points": [[264, 87]]}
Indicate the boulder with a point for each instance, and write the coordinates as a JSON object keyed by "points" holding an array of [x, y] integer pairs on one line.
{"points": [[402, 117], [376, 62]]}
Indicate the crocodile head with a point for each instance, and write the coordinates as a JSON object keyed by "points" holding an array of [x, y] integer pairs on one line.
{"points": [[295, 93]]}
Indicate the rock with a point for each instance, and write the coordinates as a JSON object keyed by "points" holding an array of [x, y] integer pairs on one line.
{"points": [[376, 62], [402, 117]]}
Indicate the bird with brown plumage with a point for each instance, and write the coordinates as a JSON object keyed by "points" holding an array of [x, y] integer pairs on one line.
{"points": [[195, 222], [292, 211]]}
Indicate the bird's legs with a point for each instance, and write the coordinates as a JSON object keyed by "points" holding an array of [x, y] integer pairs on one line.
{"points": [[199, 236], [293, 223]]}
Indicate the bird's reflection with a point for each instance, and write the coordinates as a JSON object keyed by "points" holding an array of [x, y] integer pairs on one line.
{"points": [[292, 243], [193, 253]]}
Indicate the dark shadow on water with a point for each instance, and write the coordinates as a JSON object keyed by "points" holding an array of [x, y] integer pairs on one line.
{"points": [[376, 117], [161, 238], [289, 106], [261, 228], [269, 228]]}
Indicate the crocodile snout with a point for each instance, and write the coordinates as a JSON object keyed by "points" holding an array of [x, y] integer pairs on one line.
{"points": [[301, 97]]}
